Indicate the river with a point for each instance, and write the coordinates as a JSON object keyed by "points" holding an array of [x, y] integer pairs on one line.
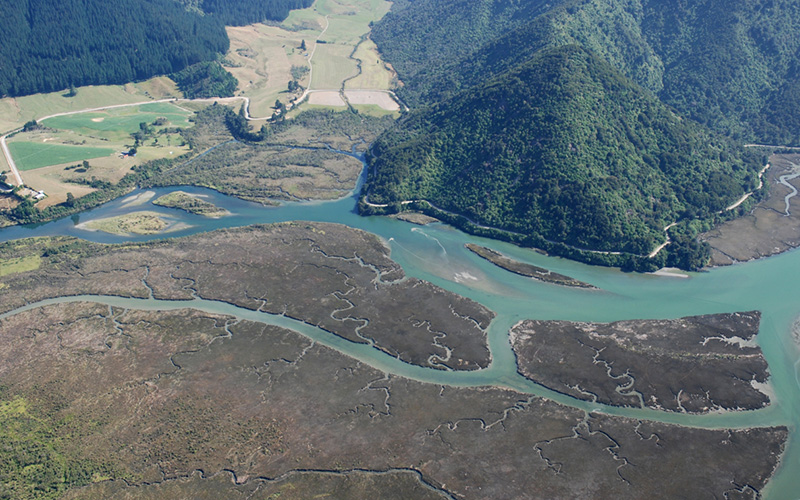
{"points": [[436, 253]]}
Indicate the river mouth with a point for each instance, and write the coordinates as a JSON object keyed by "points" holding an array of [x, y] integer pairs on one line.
{"points": [[437, 254]]}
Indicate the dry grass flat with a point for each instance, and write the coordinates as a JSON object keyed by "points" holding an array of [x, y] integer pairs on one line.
{"points": [[261, 58], [52, 181], [56, 181], [375, 74]]}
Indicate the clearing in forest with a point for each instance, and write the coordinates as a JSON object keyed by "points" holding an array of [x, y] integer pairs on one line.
{"points": [[335, 34]]}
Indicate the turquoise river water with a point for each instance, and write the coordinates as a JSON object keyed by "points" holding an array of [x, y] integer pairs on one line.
{"points": [[436, 253]]}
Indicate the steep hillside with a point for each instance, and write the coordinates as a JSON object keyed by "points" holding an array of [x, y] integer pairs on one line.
{"points": [[48, 46], [564, 147], [728, 64]]}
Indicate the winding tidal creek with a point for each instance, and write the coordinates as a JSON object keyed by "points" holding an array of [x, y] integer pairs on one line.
{"points": [[436, 253]]}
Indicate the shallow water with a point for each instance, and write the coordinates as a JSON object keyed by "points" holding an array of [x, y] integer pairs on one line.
{"points": [[436, 253]]}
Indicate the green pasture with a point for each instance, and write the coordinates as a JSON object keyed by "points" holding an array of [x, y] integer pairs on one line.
{"points": [[374, 110], [14, 112], [348, 21], [31, 155], [112, 122], [331, 66]]}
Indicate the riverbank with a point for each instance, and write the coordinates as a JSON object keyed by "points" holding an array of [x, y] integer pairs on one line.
{"points": [[772, 227]]}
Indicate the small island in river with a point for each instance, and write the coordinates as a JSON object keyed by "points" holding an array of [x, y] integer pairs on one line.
{"points": [[523, 269], [190, 203], [697, 364], [143, 222]]}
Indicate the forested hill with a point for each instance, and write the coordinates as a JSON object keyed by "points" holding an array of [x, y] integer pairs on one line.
{"points": [[241, 12], [49, 45], [564, 147], [729, 64]]}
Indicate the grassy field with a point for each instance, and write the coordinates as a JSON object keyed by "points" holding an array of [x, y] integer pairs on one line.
{"points": [[348, 20], [374, 72], [332, 65], [261, 57], [19, 265], [48, 154], [15, 111], [119, 123], [31, 155]]}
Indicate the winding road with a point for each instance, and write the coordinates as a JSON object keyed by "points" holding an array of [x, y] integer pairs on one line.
{"points": [[16, 177], [609, 252]]}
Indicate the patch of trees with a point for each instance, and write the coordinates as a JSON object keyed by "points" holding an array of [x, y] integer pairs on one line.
{"points": [[27, 213], [205, 79], [567, 151]]}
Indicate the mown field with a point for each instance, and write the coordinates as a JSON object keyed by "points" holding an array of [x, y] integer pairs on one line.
{"points": [[15, 112], [50, 155], [113, 122], [32, 155]]}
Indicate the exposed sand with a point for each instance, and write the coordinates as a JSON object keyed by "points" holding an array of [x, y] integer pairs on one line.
{"points": [[326, 98], [672, 272], [139, 199], [98, 120]]}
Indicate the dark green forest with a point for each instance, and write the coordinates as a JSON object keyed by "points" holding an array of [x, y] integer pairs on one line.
{"points": [[565, 148], [241, 12], [48, 46], [205, 79], [578, 125], [729, 64]]}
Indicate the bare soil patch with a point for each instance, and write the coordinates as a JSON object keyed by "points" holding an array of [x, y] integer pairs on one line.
{"points": [[326, 98], [378, 98]]}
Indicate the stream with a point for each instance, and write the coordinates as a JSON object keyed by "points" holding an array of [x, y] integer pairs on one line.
{"points": [[784, 179], [436, 253]]}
